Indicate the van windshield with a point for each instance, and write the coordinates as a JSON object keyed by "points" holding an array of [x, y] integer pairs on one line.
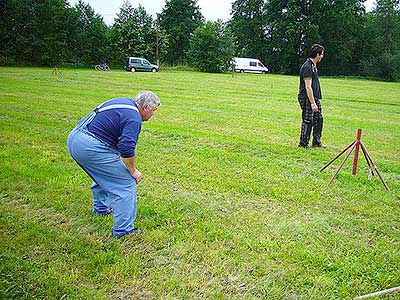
{"points": [[261, 65]]}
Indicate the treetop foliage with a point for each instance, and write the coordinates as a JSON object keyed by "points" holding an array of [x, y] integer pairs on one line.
{"points": [[279, 33], [211, 47], [179, 19]]}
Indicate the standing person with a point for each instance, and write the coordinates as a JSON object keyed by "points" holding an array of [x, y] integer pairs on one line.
{"points": [[103, 144], [310, 98]]}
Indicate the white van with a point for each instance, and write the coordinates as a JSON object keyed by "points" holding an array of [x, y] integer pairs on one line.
{"points": [[249, 65]]}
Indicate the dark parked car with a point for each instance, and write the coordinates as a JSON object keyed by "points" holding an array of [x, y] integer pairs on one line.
{"points": [[134, 64]]}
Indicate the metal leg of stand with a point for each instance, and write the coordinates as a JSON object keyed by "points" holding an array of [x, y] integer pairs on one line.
{"points": [[337, 156], [367, 159], [341, 165], [357, 150], [375, 167]]}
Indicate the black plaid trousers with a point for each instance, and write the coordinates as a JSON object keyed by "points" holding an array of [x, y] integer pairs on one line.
{"points": [[310, 121]]}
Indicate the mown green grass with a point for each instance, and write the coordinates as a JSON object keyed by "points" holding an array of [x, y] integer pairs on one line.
{"points": [[232, 208]]}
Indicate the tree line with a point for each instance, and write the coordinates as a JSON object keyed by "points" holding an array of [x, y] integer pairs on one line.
{"points": [[279, 33]]}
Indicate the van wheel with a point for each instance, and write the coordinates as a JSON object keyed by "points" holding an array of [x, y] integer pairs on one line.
{"points": [[241, 71], [154, 70], [264, 72], [133, 70]]}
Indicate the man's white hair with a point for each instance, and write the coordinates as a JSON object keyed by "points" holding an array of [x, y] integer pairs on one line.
{"points": [[147, 98]]}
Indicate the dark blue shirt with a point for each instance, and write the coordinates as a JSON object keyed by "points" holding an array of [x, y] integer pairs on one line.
{"points": [[118, 127], [309, 70]]}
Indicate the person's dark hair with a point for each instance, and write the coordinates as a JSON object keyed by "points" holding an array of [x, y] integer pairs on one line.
{"points": [[315, 50]]}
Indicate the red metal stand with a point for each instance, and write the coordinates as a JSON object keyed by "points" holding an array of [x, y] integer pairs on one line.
{"points": [[355, 146], [357, 149]]}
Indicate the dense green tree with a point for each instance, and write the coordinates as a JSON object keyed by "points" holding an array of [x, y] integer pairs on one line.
{"points": [[211, 47], [340, 28], [381, 50], [250, 29], [37, 31], [50, 32], [274, 31], [179, 19], [133, 34], [289, 23], [294, 25], [90, 43], [7, 38], [280, 32]]}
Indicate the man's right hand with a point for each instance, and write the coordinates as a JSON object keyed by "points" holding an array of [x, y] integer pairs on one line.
{"points": [[314, 107], [130, 165], [137, 175]]}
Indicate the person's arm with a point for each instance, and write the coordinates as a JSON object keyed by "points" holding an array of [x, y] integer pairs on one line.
{"points": [[310, 94], [130, 164]]}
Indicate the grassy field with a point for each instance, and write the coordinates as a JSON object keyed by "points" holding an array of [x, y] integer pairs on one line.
{"points": [[232, 208]]}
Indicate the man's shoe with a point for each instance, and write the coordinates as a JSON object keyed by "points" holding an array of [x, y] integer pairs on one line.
{"points": [[303, 146], [319, 146], [96, 213], [135, 231]]}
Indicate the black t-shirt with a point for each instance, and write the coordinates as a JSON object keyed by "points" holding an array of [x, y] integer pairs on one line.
{"points": [[308, 70]]}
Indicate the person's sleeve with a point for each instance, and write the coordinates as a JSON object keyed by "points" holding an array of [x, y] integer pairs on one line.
{"points": [[129, 137], [307, 72]]}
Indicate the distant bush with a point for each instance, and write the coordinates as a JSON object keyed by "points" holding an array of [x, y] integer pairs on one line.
{"points": [[386, 66], [178, 68]]}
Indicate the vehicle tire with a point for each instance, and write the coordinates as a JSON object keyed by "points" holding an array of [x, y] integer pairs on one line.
{"points": [[133, 70], [264, 72], [98, 68], [154, 70], [241, 71]]}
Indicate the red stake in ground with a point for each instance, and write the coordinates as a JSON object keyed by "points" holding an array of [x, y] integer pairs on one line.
{"points": [[357, 149]]}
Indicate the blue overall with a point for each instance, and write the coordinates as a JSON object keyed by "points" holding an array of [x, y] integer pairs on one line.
{"points": [[113, 185]]}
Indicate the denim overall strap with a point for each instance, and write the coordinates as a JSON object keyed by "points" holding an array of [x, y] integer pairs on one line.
{"points": [[85, 121], [100, 109]]}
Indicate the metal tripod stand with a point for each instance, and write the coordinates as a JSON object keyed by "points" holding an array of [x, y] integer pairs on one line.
{"points": [[355, 146]]}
